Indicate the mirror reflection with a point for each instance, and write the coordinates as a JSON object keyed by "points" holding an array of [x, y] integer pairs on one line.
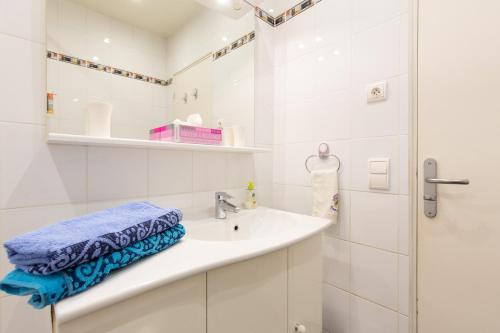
{"points": [[180, 71]]}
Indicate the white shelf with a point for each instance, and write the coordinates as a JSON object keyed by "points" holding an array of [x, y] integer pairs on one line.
{"points": [[82, 140]]}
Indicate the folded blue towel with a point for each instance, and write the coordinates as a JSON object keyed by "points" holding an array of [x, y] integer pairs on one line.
{"points": [[70, 243], [49, 289]]}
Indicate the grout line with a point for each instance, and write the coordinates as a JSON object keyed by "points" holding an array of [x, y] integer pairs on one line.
{"points": [[22, 38], [363, 298]]}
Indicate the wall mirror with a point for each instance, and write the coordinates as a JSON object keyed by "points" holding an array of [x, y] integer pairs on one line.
{"points": [[128, 68]]}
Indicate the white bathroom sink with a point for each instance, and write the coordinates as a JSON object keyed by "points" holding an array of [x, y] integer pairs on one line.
{"points": [[260, 223]]}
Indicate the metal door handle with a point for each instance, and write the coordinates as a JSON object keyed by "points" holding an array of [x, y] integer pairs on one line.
{"points": [[430, 186], [447, 181]]}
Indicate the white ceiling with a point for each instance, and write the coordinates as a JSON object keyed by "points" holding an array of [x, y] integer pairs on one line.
{"points": [[162, 17]]}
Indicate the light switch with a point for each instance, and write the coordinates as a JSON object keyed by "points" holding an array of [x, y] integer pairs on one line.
{"points": [[378, 173]]}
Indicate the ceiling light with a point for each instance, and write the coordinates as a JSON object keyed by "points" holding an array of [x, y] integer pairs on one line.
{"points": [[224, 39], [336, 52], [95, 58], [321, 58], [301, 46], [76, 100], [107, 40], [318, 39], [271, 10]]}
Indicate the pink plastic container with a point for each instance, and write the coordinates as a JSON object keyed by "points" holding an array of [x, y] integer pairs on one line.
{"points": [[187, 134], [162, 133]]}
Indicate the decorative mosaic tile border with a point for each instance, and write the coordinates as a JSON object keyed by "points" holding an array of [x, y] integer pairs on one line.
{"points": [[108, 69], [286, 16], [234, 45], [141, 77]]}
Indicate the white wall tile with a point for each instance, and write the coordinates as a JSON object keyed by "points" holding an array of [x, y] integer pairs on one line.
{"points": [[367, 13], [117, 173], [374, 275], [403, 324], [299, 35], [342, 229], [23, 18], [364, 149], [332, 116], [376, 118], [240, 170], [367, 317], [336, 310], [17, 316], [72, 16], [35, 173], [336, 262], [181, 201], [210, 172], [332, 67], [23, 80], [332, 21], [404, 284], [263, 166], [14, 222], [170, 172], [404, 44], [404, 224], [375, 219], [376, 53], [297, 199], [289, 163]]}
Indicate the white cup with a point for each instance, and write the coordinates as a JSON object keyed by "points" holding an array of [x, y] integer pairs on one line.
{"points": [[228, 134], [239, 136], [98, 119]]}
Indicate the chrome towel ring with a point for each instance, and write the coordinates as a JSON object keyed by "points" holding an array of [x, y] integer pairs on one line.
{"points": [[323, 154]]}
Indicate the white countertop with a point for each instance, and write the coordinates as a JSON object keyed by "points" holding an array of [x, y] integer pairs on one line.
{"points": [[187, 258]]}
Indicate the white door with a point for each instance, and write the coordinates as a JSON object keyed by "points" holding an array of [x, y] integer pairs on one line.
{"points": [[458, 279]]}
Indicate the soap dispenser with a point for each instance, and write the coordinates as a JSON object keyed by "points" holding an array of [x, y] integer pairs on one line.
{"points": [[251, 202]]}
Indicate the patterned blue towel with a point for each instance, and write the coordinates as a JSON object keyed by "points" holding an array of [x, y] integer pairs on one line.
{"points": [[49, 289], [70, 243]]}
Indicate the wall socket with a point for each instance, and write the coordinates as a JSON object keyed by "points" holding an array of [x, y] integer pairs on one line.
{"points": [[376, 92]]}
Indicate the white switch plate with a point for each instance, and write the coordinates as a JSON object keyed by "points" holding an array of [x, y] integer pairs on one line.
{"points": [[378, 173], [376, 92]]}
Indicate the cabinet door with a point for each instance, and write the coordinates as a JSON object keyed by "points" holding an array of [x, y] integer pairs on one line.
{"points": [[305, 285], [177, 307], [249, 296]]}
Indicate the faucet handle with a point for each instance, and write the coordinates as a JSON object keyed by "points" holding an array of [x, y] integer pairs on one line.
{"points": [[222, 196]]}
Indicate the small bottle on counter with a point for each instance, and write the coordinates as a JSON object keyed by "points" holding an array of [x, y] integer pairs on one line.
{"points": [[251, 202]]}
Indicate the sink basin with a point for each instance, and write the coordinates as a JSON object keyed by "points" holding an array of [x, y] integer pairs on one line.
{"points": [[260, 223]]}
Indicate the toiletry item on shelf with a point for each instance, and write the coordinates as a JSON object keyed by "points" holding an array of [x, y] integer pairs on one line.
{"points": [[195, 119], [50, 103], [178, 131], [98, 119], [251, 202], [238, 136]]}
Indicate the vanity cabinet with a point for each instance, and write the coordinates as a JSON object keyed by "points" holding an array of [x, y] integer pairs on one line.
{"points": [[248, 296], [179, 307], [272, 293]]}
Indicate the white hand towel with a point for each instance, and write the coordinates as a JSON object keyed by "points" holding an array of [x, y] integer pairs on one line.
{"points": [[325, 194]]}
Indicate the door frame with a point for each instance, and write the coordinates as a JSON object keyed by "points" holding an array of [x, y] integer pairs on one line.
{"points": [[413, 159]]}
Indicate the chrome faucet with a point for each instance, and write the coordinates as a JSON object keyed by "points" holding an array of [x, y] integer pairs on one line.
{"points": [[222, 205]]}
